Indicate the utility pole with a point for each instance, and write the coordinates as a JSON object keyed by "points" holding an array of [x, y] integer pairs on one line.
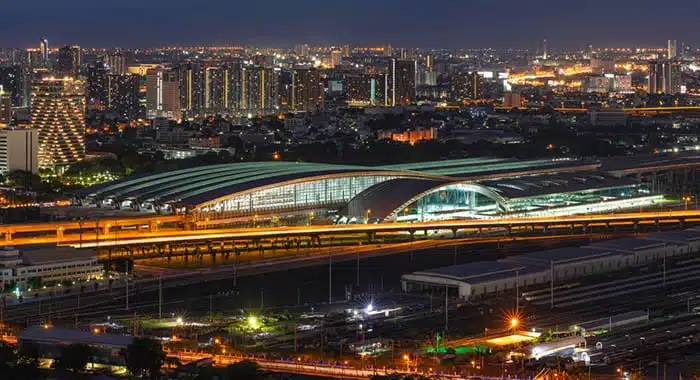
{"points": [[330, 278], [454, 259], [160, 297], [551, 283], [262, 298], [517, 291], [446, 307], [127, 286], [358, 269]]}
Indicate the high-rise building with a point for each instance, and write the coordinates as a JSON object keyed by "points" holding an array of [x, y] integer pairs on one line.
{"points": [[346, 50], [96, 88], [13, 80], [307, 89], [260, 90], [665, 77], [117, 62], [544, 49], [367, 89], [58, 112], [403, 86], [44, 51], [216, 82], [123, 95], [429, 63], [466, 86], [19, 150], [672, 49], [68, 60], [336, 57], [5, 108], [191, 77], [163, 94]]}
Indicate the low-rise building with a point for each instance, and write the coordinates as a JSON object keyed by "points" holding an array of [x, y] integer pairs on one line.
{"points": [[20, 268]]}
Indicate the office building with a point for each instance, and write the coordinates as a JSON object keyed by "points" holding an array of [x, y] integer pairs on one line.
{"points": [[123, 95], [307, 89], [672, 49], [69, 61], [466, 86], [403, 73], [623, 84], [163, 94], [260, 90], [19, 150], [511, 99], [665, 77], [44, 51], [58, 112], [5, 108]]}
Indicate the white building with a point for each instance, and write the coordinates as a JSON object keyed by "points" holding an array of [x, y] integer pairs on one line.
{"points": [[19, 150], [50, 264]]}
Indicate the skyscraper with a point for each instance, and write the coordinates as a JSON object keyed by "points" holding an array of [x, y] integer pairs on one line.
{"points": [[260, 90], [69, 60], [665, 77], [13, 81], [307, 89], [163, 93], [466, 86], [544, 49], [44, 51], [672, 49], [58, 112], [403, 73], [216, 88], [96, 88], [117, 62], [19, 150], [123, 95], [191, 77]]}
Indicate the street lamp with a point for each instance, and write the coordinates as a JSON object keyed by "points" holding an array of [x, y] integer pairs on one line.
{"points": [[514, 322], [368, 212], [686, 199]]}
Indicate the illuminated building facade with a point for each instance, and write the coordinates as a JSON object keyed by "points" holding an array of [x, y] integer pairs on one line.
{"points": [[466, 86], [19, 150], [216, 83], [58, 112], [69, 60], [13, 80], [44, 51], [410, 136], [512, 99], [307, 89], [163, 93]]}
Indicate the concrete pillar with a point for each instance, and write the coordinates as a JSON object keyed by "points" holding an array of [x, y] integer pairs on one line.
{"points": [[454, 233], [370, 237], [545, 228], [59, 233], [681, 222], [8, 236]]}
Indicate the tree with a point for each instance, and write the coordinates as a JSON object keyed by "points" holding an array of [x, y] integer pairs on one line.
{"points": [[144, 358], [74, 357], [244, 370]]}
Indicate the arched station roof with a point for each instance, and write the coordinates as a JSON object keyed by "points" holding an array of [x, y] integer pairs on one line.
{"points": [[193, 187]]}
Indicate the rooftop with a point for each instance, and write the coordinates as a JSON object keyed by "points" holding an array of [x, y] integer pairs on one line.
{"points": [[50, 254], [473, 270], [62, 335], [559, 256], [685, 236], [628, 244]]}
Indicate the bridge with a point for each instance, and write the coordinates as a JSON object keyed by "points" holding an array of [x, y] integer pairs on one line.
{"points": [[584, 222]]}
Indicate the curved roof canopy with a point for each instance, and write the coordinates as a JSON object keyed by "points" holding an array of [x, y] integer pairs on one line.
{"points": [[199, 185]]}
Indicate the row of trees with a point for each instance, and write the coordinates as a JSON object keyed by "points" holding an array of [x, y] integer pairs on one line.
{"points": [[143, 358]]}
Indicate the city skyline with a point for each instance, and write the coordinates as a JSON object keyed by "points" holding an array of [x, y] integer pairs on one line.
{"points": [[476, 24]]}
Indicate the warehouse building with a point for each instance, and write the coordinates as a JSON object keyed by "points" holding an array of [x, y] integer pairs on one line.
{"points": [[483, 278]]}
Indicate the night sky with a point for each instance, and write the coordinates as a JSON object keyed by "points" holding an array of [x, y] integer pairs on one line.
{"points": [[415, 23]]}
